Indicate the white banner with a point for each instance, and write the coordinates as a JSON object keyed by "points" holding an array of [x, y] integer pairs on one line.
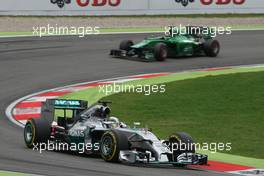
{"points": [[128, 7]]}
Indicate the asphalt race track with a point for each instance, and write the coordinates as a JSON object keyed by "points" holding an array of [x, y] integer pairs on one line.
{"points": [[28, 65]]}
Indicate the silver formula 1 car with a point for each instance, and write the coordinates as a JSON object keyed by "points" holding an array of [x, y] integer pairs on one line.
{"points": [[114, 141]]}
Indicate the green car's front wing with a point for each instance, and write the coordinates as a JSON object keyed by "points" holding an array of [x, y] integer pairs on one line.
{"points": [[134, 54]]}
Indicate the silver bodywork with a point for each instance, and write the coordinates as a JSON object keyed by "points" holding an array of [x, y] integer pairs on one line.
{"points": [[156, 151], [144, 146]]}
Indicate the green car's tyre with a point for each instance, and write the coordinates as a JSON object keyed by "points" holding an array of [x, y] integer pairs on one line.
{"points": [[211, 48], [181, 142], [160, 51], [111, 143], [126, 45], [36, 131]]}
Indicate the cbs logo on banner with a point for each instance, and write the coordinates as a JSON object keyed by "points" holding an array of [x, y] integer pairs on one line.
{"points": [[84, 3], [210, 2]]}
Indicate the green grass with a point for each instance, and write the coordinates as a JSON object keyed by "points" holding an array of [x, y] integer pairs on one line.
{"points": [[93, 95], [15, 33], [7, 173], [248, 27], [235, 159], [227, 108]]}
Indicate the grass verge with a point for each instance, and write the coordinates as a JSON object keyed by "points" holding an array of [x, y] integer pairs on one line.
{"points": [[8, 173], [93, 95], [226, 109]]}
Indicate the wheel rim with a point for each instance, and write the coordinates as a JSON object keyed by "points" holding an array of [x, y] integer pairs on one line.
{"points": [[215, 48], [163, 53], [107, 146], [28, 133]]}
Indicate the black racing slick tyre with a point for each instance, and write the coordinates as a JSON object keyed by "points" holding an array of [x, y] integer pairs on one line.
{"points": [[36, 131], [181, 142], [211, 48], [160, 51], [111, 143], [126, 45]]}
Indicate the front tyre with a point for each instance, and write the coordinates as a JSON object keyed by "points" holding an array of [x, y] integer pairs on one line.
{"points": [[179, 143], [160, 51], [211, 48], [36, 131], [126, 45], [112, 142]]}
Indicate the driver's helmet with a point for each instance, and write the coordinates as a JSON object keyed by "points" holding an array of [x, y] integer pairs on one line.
{"points": [[102, 112], [115, 121]]}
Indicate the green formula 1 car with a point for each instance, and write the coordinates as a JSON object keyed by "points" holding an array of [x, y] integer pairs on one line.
{"points": [[194, 41]]}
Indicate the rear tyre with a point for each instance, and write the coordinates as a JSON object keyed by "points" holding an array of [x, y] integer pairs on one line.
{"points": [[211, 48], [126, 45], [181, 142], [111, 144], [160, 51], [36, 131]]}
